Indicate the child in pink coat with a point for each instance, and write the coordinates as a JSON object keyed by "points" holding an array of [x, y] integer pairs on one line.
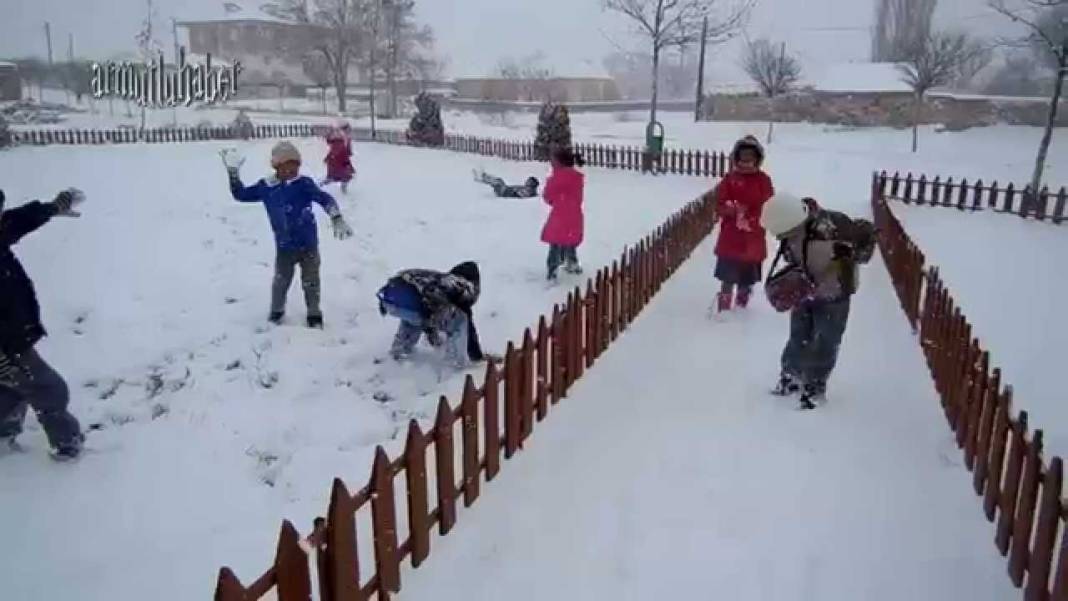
{"points": [[339, 158], [563, 231]]}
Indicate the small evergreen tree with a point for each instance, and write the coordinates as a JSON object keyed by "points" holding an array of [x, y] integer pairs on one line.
{"points": [[5, 133], [426, 127], [554, 129]]}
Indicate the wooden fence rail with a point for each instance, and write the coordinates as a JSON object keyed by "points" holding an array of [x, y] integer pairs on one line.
{"points": [[702, 163], [976, 196], [497, 417], [1021, 494]]}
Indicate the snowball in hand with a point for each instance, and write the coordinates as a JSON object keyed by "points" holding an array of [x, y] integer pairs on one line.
{"points": [[232, 158]]}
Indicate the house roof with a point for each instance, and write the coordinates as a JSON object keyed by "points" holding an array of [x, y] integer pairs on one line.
{"points": [[230, 11], [858, 77]]}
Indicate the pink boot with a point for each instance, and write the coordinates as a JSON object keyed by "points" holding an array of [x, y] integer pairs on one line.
{"points": [[723, 302], [742, 299]]}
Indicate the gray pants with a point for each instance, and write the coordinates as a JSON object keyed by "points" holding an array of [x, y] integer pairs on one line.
{"points": [[816, 331], [285, 263], [558, 255], [44, 390], [452, 323]]}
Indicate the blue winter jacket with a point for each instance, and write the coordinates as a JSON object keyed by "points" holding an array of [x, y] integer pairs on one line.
{"points": [[289, 207]]}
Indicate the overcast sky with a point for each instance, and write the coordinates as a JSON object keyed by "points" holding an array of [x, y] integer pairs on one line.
{"points": [[475, 34]]}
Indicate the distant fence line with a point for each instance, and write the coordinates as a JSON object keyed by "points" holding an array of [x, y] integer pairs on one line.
{"points": [[1021, 493], [936, 192], [702, 163]]}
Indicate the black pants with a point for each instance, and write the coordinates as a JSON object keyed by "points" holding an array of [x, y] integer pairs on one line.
{"points": [[816, 331], [44, 390], [559, 255]]}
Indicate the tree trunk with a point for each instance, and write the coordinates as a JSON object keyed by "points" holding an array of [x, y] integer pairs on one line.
{"points": [[698, 109], [916, 122], [656, 83], [322, 95], [1047, 135], [341, 85], [771, 122]]}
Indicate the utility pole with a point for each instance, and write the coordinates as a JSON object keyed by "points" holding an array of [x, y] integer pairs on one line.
{"points": [[374, 43], [174, 32], [701, 72], [48, 39]]}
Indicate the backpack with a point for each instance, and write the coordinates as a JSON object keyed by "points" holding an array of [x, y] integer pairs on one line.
{"points": [[859, 234]]}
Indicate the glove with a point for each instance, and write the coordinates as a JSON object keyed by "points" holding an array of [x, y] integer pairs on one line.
{"points": [[341, 229], [232, 161], [66, 201], [10, 372]]}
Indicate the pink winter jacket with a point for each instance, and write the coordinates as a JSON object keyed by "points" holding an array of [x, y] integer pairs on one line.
{"points": [[563, 192]]}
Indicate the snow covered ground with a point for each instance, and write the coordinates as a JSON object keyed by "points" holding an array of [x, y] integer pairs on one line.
{"points": [[671, 473], [215, 427], [1007, 276]]}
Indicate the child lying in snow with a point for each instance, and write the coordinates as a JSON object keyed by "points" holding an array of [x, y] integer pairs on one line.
{"points": [[529, 189]]}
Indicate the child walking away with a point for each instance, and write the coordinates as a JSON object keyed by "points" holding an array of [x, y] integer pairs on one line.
{"points": [[563, 231], [339, 158], [437, 305], [529, 189], [822, 250], [288, 198], [26, 380], [741, 247]]}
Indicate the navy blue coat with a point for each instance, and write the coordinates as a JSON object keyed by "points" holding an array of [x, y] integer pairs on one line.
{"points": [[289, 207], [20, 315]]}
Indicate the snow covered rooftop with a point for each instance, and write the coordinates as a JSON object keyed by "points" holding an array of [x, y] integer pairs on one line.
{"points": [[858, 77], [230, 10], [7, 64]]}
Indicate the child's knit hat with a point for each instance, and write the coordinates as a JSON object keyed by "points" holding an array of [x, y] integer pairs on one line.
{"points": [[284, 152]]}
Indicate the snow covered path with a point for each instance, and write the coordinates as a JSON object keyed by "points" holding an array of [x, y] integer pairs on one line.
{"points": [[670, 473]]}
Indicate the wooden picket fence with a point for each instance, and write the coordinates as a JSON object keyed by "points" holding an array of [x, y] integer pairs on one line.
{"points": [[977, 196], [702, 163], [497, 417], [1021, 493]]}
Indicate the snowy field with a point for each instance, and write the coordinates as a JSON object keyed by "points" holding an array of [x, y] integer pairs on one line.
{"points": [[214, 427], [1007, 276], [670, 473]]}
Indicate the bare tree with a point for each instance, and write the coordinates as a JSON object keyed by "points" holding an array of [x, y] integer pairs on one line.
{"points": [[1019, 76], [676, 23], [316, 69], [148, 45], [1046, 22], [933, 62], [336, 29], [978, 58], [408, 47], [899, 26], [772, 70]]}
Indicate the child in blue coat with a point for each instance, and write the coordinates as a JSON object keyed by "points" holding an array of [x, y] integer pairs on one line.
{"points": [[288, 198]]}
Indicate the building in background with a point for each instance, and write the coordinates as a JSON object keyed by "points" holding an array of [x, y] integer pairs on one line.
{"points": [[10, 83]]}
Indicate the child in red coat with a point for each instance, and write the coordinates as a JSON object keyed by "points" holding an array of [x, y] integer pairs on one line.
{"points": [[741, 247], [564, 229], [339, 158]]}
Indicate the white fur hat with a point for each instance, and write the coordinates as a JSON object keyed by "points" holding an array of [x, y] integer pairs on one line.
{"points": [[783, 213], [284, 152]]}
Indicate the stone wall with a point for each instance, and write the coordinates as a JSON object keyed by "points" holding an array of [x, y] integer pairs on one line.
{"points": [[881, 109]]}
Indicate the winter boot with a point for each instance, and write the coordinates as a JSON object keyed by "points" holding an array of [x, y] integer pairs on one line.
{"points": [[315, 321], [813, 394], [276, 317], [69, 451], [551, 276], [742, 299], [787, 386], [573, 267], [723, 302]]}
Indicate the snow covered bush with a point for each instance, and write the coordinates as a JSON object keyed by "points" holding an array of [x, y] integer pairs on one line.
{"points": [[426, 127], [5, 133], [554, 129]]}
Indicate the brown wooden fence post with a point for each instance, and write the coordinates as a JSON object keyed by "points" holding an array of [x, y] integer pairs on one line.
{"points": [[1025, 510], [340, 557], [418, 499], [1040, 563], [1010, 194], [975, 409], [1058, 209], [589, 311], [557, 358], [384, 519], [526, 386], [986, 431], [1010, 491], [1000, 441], [228, 587], [469, 429], [512, 421], [577, 342], [291, 566], [491, 421], [446, 471], [542, 382], [1041, 202]]}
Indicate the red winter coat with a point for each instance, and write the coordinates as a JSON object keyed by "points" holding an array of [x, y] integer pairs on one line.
{"points": [[563, 192], [338, 159], [740, 199]]}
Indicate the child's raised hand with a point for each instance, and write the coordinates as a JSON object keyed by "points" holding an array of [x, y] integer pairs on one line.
{"points": [[231, 159]]}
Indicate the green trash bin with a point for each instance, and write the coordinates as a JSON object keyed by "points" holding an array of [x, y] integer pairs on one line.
{"points": [[654, 139]]}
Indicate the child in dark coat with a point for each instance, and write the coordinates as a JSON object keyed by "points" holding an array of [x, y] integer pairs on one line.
{"points": [[288, 198], [26, 380], [741, 247], [529, 189], [435, 304]]}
